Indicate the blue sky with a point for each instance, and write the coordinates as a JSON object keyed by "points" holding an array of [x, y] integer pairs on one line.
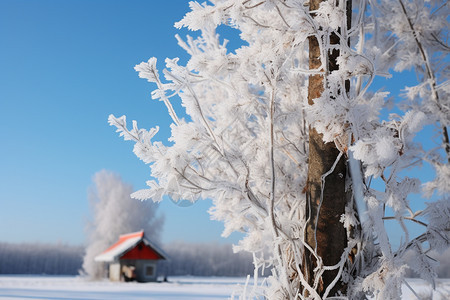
{"points": [[64, 67]]}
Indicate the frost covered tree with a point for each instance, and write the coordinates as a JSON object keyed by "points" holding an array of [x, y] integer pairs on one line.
{"points": [[114, 213], [296, 150]]}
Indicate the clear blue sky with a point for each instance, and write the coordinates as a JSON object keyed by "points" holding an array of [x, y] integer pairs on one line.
{"points": [[64, 67]]}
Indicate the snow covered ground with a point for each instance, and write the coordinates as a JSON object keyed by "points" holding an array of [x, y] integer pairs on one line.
{"points": [[180, 288], [184, 288]]}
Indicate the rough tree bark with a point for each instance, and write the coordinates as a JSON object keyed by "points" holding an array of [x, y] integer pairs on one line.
{"points": [[325, 204]]}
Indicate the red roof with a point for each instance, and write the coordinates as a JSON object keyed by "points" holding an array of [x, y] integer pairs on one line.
{"points": [[131, 246], [126, 237]]}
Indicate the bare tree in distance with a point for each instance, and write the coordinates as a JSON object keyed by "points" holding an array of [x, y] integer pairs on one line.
{"points": [[114, 213], [287, 138]]}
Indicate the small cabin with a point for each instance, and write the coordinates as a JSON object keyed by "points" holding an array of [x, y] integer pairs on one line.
{"points": [[133, 257]]}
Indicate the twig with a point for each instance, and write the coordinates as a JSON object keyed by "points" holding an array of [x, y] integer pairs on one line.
{"points": [[430, 75]]}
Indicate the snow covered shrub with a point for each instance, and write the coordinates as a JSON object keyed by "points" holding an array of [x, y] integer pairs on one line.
{"points": [[114, 213]]}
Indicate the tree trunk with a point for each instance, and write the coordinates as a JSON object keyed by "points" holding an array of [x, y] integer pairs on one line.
{"points": [[326, 200]]}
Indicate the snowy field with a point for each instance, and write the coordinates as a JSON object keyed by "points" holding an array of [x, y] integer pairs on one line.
{"points": [[183, 288], [180, 288]]}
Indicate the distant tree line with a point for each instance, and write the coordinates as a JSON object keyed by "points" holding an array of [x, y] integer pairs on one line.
{"points": [[38, 258], [184, 259], [205, 260]]}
